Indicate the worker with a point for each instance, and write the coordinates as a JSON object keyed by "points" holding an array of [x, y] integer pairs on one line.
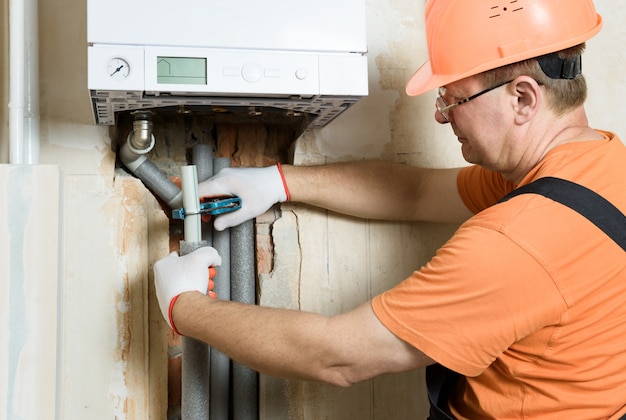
{"points": [[523, 310]]}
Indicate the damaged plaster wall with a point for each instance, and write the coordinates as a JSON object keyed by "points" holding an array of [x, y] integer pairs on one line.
{"points": [[114, 351]]}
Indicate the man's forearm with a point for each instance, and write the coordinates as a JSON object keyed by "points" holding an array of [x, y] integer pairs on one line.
{"points": [[261, 338], [379, 190], [339, 350], [374, 190]]}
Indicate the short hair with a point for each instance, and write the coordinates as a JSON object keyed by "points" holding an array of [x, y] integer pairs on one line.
{"points": [[563, 94]]}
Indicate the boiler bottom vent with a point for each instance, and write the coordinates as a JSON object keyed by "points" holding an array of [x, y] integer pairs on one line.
{"points": [[322, 109]]}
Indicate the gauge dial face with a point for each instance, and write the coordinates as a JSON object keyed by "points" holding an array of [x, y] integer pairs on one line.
{"points": [[118, 68]]}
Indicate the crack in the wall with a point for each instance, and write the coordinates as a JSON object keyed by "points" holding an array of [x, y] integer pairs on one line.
{"points": [[328, 247], [299, 283], [271, 260]]}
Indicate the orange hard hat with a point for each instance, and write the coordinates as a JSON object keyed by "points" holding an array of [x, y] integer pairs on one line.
{"points": [[468, 37]]}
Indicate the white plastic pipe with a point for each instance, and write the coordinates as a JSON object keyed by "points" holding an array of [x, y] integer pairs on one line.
{"points": [[17, 81], [191, 204], [31, 114], [23, 82]]}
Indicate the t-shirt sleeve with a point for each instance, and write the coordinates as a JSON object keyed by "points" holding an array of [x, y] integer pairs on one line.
{"points": [[480, 188], [467, 306]]}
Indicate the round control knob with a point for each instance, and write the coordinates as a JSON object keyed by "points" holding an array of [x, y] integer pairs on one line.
{"points": [[301, 74], [252, 72]]}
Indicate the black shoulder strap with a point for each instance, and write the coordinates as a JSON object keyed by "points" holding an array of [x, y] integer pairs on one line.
{"points": [[581, 199]]}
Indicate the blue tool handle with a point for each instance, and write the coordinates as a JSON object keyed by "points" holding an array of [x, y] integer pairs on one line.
{"points": [[212, 207]]}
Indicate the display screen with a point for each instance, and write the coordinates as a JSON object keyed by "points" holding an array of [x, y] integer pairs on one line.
{"points": [[181, 71]]}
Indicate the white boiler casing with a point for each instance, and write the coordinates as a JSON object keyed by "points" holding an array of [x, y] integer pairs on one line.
{"points": [[299, 56]]}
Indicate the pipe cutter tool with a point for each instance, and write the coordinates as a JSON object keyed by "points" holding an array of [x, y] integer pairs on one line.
{"points": [[212, 207]]}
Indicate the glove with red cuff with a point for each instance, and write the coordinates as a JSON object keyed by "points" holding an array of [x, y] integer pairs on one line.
{"points": [[176, 274], [258, 188]]}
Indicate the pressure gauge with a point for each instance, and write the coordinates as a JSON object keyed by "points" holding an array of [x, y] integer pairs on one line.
{"points": [[118, 68]]}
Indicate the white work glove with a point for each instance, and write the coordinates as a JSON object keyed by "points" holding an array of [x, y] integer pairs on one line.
{"points": [[258, 188], [176, 274]]}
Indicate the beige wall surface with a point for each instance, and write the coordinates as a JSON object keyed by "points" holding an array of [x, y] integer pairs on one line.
{"points": [[341, 262], [110, 356]]}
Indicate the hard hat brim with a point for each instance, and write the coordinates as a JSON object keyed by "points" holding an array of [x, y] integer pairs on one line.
{"points": [[424, 80]]}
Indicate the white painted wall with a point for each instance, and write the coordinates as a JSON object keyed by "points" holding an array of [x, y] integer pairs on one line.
{"points": [[108, 350]]}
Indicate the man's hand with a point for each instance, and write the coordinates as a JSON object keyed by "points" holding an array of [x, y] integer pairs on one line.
{"points": [[258, 188], [174, 275]]}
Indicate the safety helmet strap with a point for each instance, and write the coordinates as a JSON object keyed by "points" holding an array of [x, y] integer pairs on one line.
{"points": [[558, 68]]}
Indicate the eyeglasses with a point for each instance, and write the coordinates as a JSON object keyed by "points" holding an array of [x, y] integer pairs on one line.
{"points": [[444, 108]]}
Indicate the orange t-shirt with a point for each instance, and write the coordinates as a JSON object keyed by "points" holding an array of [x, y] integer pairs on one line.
{"points": [[528, 298]]}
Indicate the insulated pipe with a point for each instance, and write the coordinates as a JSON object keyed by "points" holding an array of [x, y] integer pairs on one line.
{"points": [[203, 159], [196, 357], [220, 363], [195, 374], [140, 142], [205, 371], [243, 285], [136, 161], [243, 289]]}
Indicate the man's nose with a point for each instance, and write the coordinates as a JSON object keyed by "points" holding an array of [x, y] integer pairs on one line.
{"points": [[440, 118]]}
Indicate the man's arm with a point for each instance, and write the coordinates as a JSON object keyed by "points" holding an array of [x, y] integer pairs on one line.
{"points": [[372, 190], [340, 350], [380, 190]]}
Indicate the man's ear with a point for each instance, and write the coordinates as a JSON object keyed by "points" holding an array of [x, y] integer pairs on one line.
{"points": [[529, 95]]}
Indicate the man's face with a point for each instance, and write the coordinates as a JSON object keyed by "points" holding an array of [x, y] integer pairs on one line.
{"points": [[481, 125]]}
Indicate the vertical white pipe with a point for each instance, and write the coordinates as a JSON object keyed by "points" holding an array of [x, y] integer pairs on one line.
{"points": [[31, 111], [17, 63], [24, 82], [191, 204], [4, 81]]}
